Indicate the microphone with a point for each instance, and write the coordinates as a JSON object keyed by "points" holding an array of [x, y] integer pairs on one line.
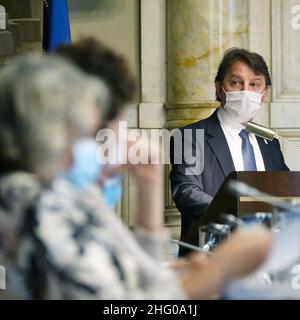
{"points": [[261, 131], [267, 133], [243, 189]]}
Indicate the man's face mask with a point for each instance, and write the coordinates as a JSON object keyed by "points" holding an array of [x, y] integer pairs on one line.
{"points": [[242, 106], [86, 170]]}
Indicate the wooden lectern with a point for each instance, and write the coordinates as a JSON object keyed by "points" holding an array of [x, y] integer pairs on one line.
{"points": [[278, 184]]}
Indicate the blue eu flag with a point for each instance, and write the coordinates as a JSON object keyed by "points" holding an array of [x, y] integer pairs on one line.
{"points": [[56, 24]]}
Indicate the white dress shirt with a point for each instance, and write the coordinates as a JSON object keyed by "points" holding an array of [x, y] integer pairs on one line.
{"points": [[234, 141]]}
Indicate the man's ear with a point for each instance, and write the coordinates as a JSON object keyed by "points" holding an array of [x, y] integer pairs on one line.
{"points": [[266, 94]]}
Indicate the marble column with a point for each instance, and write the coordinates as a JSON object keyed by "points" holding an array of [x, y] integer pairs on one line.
{"points": [[199, 32]]}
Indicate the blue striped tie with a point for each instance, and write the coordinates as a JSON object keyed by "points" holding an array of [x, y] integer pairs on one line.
{"points": [[248, 152]]}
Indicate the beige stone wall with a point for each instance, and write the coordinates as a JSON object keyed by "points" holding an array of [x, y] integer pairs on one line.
{"points": [[114, 22]]}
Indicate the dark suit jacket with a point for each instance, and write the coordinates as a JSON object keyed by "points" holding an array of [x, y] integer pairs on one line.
{"points": [[193, 193]]}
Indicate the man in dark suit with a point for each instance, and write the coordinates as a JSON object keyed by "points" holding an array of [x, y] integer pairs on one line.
{"points": [[242, 84]]}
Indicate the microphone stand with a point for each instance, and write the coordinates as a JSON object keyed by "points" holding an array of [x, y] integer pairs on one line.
{"points": [[190, 246], [287, 140]]}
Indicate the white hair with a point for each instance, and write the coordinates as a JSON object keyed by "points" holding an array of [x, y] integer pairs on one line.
{"points": [[45, 102]]}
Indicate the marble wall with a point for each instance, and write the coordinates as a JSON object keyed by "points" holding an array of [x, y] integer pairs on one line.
{"points": [[286, 51], [285, 106], [116, 23]]}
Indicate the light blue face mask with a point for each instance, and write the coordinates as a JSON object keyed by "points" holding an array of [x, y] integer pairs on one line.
{"points": [[112, 190], [86, 170]]}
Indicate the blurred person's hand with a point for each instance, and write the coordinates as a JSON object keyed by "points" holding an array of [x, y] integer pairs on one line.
{"points": [[236, 257], [148, 172], [148, 176], [151, 172], [184, 265], [244, 251], [149, 183], [110, 171]]}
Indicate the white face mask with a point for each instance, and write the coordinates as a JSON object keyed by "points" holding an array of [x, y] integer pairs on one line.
{"points": [[242, 106]]}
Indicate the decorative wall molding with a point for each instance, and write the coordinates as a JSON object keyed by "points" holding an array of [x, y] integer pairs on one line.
{"points": [[285, 52]]}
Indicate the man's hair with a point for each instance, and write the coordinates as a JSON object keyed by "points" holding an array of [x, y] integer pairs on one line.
{"points": [[92, 57], [255, 61]]}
